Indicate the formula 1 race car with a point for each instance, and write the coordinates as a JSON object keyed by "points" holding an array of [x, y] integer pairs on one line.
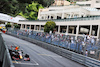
{"points": [[17, 54]]}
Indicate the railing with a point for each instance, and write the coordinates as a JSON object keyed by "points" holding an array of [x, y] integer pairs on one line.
{"points": [[87, 61], [62, 41], [68, 19], [79, 19], [4, 54], [60, 11]]}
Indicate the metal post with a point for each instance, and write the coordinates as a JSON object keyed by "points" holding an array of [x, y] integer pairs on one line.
{"points": [[78, 48]]}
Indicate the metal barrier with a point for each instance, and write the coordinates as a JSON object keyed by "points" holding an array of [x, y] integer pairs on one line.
{"points": [[4, 54], [87, 61], [65, 41]]}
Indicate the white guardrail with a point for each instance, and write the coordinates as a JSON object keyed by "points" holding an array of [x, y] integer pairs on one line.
{"points": [[5, 57]]}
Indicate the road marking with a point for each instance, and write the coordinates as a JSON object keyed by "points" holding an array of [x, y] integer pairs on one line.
{"points": [[25, 63], [16, 61], [13, 62], [35, 62], [50, 55]]}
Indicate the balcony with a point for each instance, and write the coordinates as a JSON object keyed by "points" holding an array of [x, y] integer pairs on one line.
{"points": [[70, 19]]}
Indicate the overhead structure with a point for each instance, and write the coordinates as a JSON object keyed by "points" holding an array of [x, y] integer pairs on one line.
{"points": [[8, 18]]}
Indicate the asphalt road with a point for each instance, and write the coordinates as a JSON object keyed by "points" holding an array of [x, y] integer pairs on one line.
{"points": [[39, 57]]}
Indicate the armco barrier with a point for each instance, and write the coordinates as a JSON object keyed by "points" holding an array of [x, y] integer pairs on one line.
{"points": [[87, 61], [4, 54]]}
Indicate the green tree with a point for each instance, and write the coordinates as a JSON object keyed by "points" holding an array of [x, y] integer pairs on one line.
{"points": [[49, 26], [8, 25], [45, 3], [68, 0], [31, 11], [16, 26], [14, 7]]}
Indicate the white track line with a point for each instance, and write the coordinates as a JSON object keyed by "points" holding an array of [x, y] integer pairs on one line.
{"points": [[25, 63], [50, 55], [35, 62]]}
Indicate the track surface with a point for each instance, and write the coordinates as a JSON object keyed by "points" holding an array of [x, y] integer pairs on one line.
{"points": [[39, 57]]}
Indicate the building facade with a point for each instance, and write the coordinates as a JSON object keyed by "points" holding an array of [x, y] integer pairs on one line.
{"points": [[90, 3], [83, 8], [75, 27], [73, 19], [61, 3], [63, 12]]}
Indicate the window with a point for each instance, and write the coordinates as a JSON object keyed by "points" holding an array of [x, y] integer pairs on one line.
{"points": [[24, 26], [63, 29], [97, 1], [42, 17], [42, 27], [84, 29], [87, 4], [72, 29], [52, 10], [94, 30]]}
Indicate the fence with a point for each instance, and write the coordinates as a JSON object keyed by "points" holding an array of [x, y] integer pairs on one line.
{"points": [[87, 61], [67, 42], [4, 54]]}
